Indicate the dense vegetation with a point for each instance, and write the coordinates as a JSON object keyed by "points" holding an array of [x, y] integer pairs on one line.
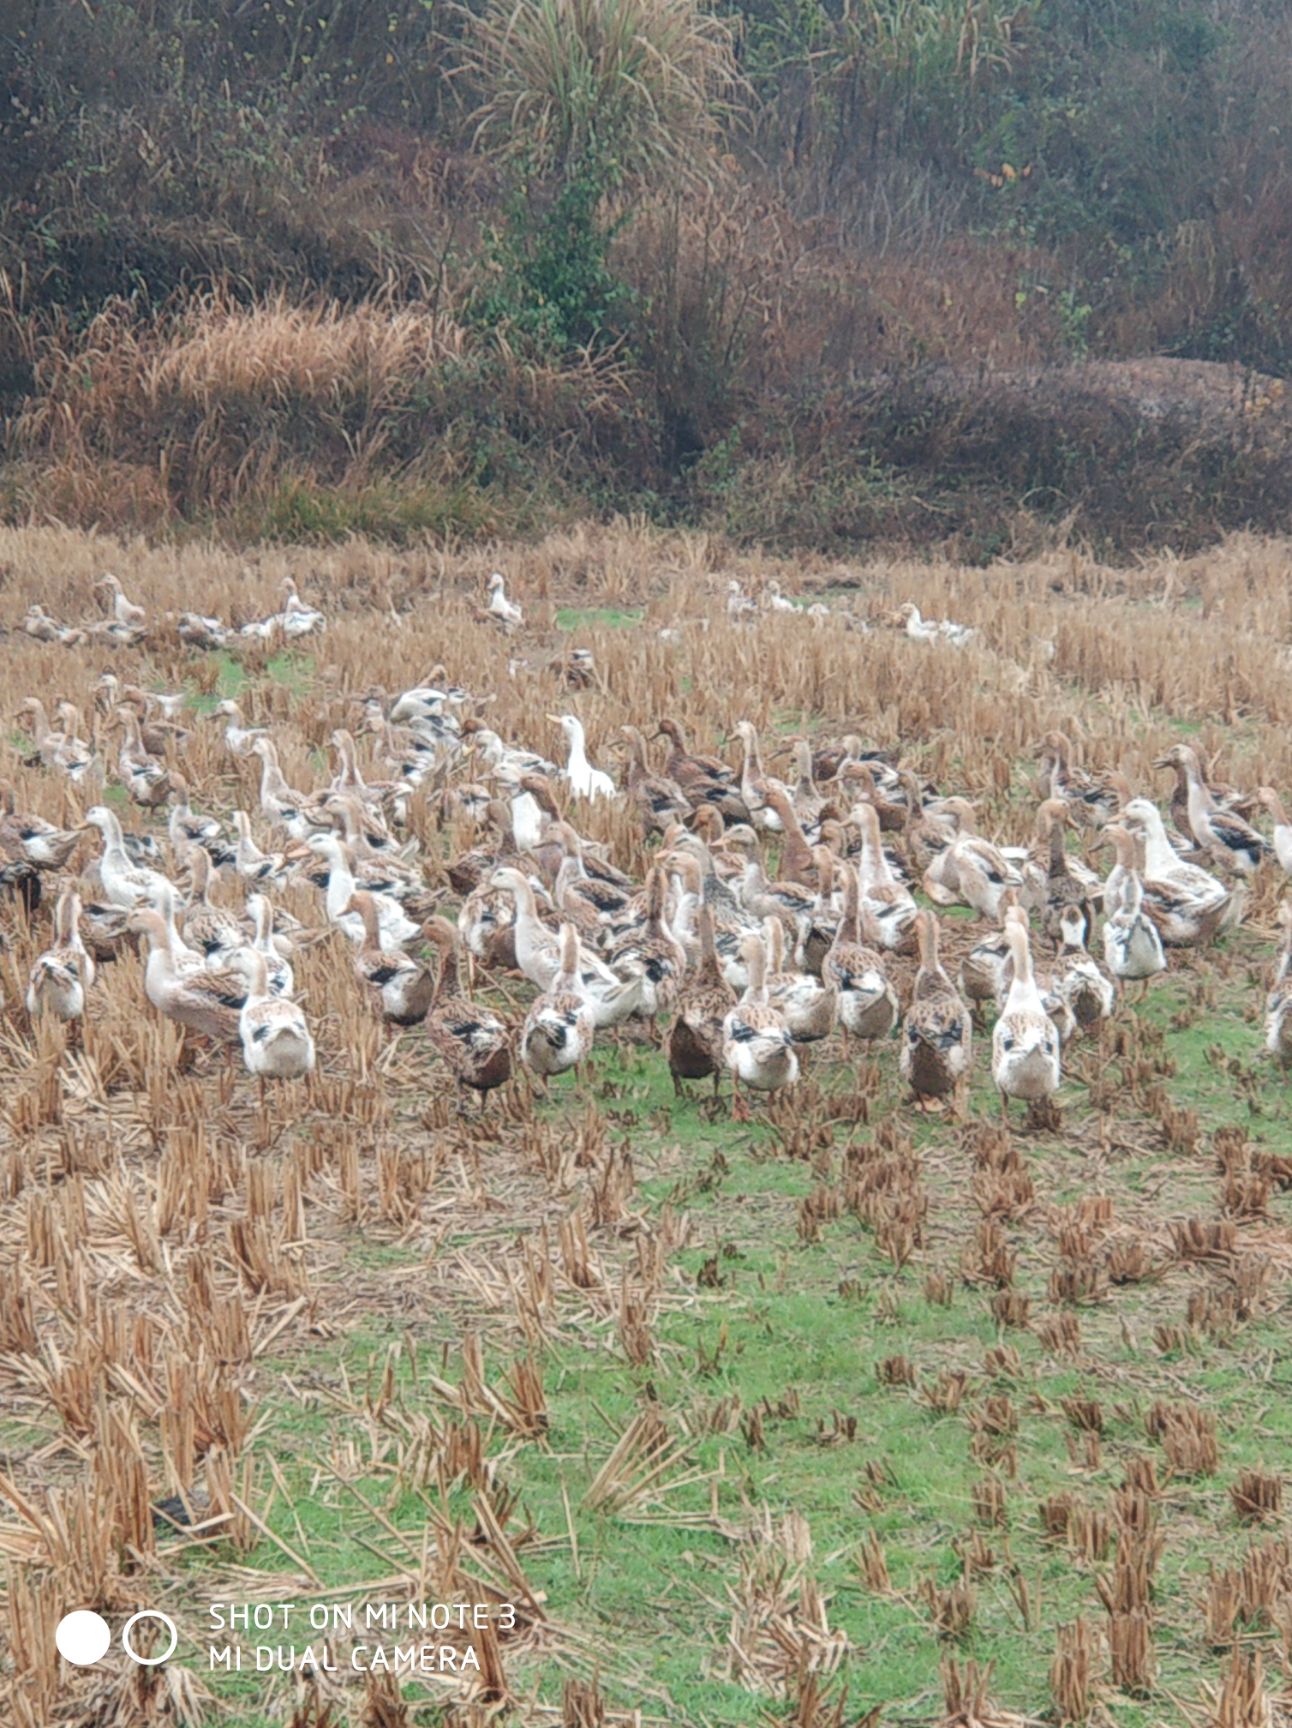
{"points": [[534, 257]]}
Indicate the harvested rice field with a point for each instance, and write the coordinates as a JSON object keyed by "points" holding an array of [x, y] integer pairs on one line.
{"points": [[391, 1296]]}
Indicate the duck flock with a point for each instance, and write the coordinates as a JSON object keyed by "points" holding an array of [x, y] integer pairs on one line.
{"points": [[730, 966]]}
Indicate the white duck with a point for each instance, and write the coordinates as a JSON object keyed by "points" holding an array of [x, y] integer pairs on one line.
{"points": [[125, 884], [539, 956], [585, 780], [933, 630], [276, 1039], [1025, 1051], [296, 617], [396, 929], [1187, 903], [64, 973], [238, 736], [757, 1045], [506, 611]]}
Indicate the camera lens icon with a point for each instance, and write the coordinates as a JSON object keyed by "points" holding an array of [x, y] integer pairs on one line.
{"points": [[84, 1637], [162, 1620]]}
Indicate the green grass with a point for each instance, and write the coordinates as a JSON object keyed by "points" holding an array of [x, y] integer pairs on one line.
{"points": [[755, 1314], [613, 617]]}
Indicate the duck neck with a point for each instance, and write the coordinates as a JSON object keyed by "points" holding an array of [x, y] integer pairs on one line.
{"points": [[756, 968]]}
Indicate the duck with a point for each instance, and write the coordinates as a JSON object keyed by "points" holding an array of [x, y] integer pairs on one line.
{"points": [[187, 828], [296, 617], [61, 977], [400, 985], [1073, 879], [854, 965], [585, 780], [937, 1032], [276, 1040], [110, 694], [808, 1005], [651, 950], [539, 955], [703, 779], [147, 781], [503, 611], [197, 631], [755, 784], [1079, 979], [1026, 1061], [1188, 904], [981, 974], [249, 861], [971, 870], [591, 902], [1281, 839], [786, 901], [508, 762], [206, 1002], [395, 928], [1065, 890], [185, 960], [889, 903], [804, 796], [126, 884], [659, 800], [32, 839], [559, 1030], [42, 627], [73, 756], [1278, 1004], [472, 1041], [823, 926], [757, 1045], [1092, 800], [741, 607], [1229, 799], [282, 980], [797, 860], [348, 782], [933, 630], [776, 601], [694, 1042], [302, 816], [240, 739], [1223, 835], [210, 929], [1132, 946], [124, 611]]}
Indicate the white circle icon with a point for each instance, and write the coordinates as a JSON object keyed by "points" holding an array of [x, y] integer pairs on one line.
{"points": [[83, 1637], [149, 1614]]}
